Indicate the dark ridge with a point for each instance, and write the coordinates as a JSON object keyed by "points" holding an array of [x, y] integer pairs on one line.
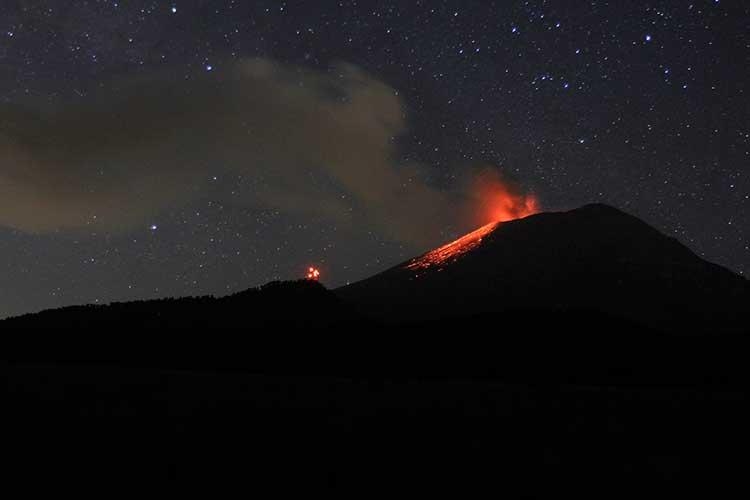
{"points": [[282, 304], [600, 207]]}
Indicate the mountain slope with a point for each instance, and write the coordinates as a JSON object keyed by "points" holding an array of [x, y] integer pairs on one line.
{"points": [[592, 258]]}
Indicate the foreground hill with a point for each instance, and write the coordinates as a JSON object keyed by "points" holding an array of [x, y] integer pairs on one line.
{"points": [[291, 304]]}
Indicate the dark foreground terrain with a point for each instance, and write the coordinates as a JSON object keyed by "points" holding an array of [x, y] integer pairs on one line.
{"points": [[626, 375], [73, 426], [381, 409]]}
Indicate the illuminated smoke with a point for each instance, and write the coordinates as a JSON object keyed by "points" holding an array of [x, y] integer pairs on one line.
{"points": [[500, 200]]}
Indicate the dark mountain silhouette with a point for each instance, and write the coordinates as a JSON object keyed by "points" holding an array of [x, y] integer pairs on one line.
{"points": [[595, 258], [539, 298], [563, 351]]}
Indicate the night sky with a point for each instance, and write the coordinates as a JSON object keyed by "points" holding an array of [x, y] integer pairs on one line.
{"points": [[152, 149]]}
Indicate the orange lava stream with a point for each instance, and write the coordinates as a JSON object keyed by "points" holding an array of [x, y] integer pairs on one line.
{"points": [[452, 250], [498, 201]]}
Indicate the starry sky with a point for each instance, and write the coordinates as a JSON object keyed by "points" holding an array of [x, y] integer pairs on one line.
{"points": [[193, 147]]}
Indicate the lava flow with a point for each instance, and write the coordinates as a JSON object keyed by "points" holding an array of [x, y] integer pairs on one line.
{"points": [[500, 202], [453, 249]]}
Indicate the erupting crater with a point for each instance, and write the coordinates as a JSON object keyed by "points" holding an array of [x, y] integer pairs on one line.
{"points": [[500, 202]]}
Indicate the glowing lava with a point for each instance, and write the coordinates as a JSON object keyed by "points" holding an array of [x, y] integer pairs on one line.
{"points": [[452, 250], [313, 274], [500, 202]]}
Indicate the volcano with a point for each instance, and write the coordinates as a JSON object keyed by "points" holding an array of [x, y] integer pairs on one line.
{"points": [[544, 272], [595, 258]]}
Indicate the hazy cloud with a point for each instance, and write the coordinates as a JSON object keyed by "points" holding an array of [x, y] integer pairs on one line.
{"points": [[316, 142]]}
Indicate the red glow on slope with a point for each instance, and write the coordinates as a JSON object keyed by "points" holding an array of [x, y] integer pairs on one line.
{"points": [[453, 249], [313, 274], [499, 202]]}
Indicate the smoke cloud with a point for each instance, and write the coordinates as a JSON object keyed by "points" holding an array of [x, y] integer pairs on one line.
{"points": [[313, 142]]}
